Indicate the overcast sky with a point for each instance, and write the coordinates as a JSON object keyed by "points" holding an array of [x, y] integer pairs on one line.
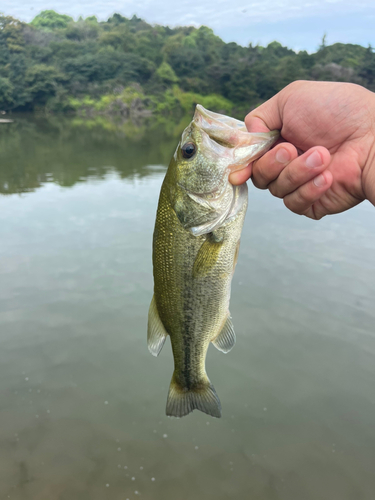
{"points": [[299, 24]]}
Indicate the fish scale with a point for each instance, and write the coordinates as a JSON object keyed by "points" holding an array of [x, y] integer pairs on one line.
{"points": [[195, 248]]}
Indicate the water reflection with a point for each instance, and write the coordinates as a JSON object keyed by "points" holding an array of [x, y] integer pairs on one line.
{"points": [[67, 151], [81, 400]]}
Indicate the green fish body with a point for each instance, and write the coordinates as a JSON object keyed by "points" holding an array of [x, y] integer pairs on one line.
{"points": [[195, 247]]}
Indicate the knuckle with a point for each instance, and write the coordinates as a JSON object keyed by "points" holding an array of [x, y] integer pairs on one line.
{"points": [[260, 177], [318, 214], [291, 177], [258, 184], [297, 203], [292, 208], [294, 85], [300, 199], [274, 190]]}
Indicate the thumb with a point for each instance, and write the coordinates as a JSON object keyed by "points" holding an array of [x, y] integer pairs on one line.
{"points": [[262, 119], [266, 117]]}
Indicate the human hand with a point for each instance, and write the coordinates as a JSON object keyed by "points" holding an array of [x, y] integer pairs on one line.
{"points": [[332, 127]]}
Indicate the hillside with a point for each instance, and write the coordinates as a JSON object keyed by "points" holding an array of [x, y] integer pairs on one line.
{"points": [[127, 67]]}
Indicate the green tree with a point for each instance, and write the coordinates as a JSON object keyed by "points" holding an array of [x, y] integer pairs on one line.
{"points": [[54, 61], [11, 33], [288, 70], [49, 19], [186, 61], [42, 82], [323, 43], [6, 93], [367, 68], [82, 30], [166, 73], [344, 54]]}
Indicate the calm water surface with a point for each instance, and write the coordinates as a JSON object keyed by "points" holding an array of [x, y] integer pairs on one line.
{"points": [[82, 401]]}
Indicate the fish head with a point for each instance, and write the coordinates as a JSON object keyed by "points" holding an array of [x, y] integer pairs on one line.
{"points": [[200, 163], [211, 147]]}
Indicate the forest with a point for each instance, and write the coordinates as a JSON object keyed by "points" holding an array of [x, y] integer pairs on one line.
{"points": [[127, 67]]}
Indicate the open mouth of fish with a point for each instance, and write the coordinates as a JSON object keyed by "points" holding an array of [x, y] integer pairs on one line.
{"points": [[241, 146]]}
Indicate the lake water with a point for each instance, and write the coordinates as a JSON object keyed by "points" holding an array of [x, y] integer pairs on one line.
{"points": [[82, 402]]}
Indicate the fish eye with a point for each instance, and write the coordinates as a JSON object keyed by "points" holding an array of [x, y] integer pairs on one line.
{"points": [[188, 150]]}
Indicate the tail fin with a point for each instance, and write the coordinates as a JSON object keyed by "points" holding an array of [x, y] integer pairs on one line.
{"points": [[181, 401]]}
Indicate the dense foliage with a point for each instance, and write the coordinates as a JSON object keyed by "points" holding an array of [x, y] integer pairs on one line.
{"points": [[125, 66]]}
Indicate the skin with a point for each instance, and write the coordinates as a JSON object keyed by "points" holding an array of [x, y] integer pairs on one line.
{"points": [[195, 247], [193, 272], [192, 302], [325, 161]]}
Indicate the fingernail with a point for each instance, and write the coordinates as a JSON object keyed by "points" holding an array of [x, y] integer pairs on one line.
{"points": [[319, 180], [314, 160], [282, 155]]}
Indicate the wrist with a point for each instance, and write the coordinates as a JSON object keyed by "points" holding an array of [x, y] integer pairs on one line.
{"points": [[368, 171], [368, 174]]}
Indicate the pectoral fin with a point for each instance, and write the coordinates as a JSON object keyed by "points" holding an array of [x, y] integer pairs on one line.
{"points": [[156, 333], [236, 252], [226, 338], [207, 257]]}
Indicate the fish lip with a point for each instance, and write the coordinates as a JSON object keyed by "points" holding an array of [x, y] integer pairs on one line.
{"points": [[231, 133], [223, 121]]}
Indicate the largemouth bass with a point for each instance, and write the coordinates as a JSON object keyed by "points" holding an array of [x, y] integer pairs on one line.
{"points": [[195, 247]]}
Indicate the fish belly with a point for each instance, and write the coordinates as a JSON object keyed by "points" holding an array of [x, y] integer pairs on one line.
{"points": [[192, 278]]}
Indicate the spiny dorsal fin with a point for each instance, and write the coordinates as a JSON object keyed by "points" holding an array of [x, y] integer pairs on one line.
{"points": [[156, 333], [207, 257], [226, 338]]}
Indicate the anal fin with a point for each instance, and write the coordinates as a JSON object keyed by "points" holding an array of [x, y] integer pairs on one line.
{"points": [[156, 333], [226, 338]]}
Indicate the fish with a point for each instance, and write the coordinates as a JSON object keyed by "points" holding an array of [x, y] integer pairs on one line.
{"points": [[196, 242]]}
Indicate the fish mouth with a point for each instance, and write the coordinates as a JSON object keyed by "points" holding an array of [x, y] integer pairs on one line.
{"points": [[242, 146], [212, 122]]}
